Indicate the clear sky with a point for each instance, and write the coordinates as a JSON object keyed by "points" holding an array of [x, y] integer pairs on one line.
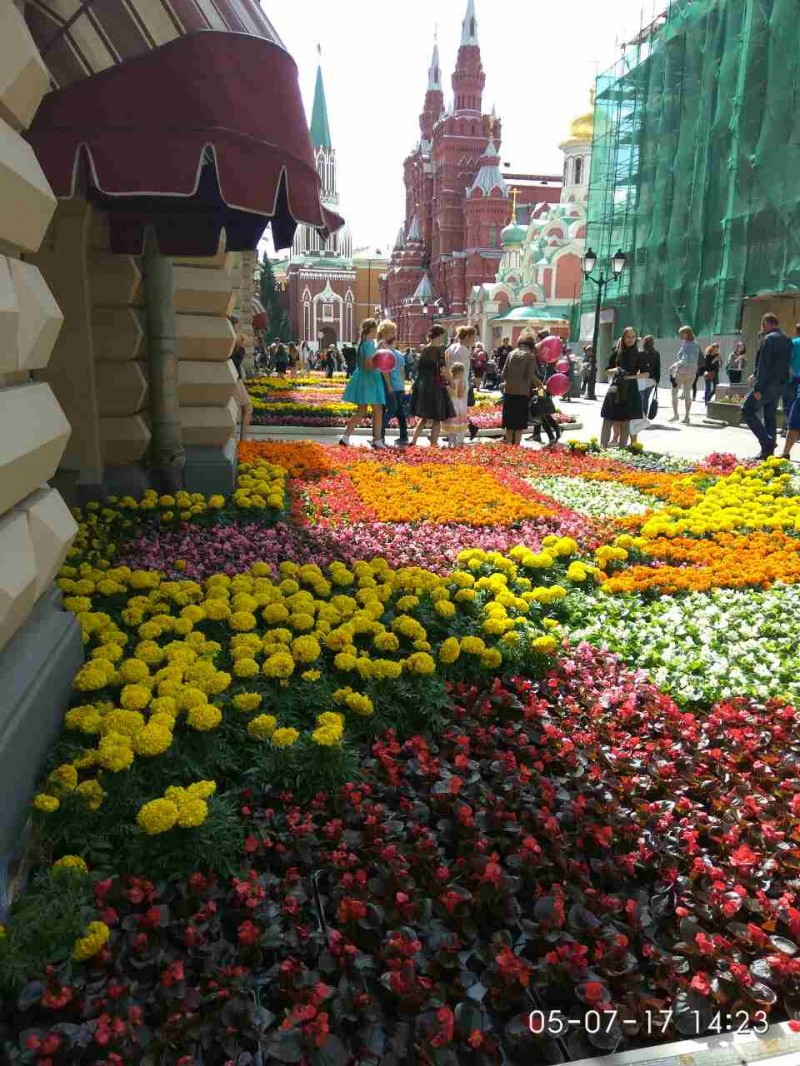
{"points": [[540, 58]]}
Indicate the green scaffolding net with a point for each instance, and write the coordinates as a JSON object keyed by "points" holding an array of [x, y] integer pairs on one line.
{"points": [[696, 165]]}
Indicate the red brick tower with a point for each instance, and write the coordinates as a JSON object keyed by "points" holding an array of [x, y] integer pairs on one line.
{"points": [[457, 219]]}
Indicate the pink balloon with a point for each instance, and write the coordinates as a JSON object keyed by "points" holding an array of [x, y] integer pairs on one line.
{"points": [[558, 385], [383, 360], [551, 349], [562, 366]]}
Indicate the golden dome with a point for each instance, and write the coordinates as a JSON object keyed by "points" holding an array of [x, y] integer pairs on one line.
{"points": [[582, 128]]}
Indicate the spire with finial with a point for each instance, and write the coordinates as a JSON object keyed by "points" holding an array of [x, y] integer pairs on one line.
{"points": [[435, 71], [469, 79], [434, 97], [320, 128], [469, 27]]}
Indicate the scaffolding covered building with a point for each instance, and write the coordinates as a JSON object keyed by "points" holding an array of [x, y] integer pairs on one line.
{"points": [[696, 170]]}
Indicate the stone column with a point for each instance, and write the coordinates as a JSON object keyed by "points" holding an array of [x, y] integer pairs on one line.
{"points": [[204, 339], [40, 644]]}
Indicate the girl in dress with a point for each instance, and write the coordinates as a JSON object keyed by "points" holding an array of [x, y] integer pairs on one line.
{"points": [[458, 426], [365, 388], [432, 401]]}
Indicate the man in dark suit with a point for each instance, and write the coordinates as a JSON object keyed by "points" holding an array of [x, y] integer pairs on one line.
{"points": [[768, 384]]}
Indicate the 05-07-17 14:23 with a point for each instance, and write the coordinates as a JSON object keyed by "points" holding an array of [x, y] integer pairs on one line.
{"points": [[650, 1023]]}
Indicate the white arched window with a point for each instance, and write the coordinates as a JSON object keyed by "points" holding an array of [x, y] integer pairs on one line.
{"points": [[307, 315], [578, 171]]}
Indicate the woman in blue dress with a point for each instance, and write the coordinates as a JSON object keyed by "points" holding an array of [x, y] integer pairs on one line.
{"points": [[366, 388]]}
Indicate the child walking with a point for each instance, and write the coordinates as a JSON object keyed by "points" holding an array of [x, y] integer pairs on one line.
{"points": [[457, 427]]}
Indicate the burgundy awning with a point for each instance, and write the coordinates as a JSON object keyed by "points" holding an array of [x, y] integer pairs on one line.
{"points": [[204, 133]]}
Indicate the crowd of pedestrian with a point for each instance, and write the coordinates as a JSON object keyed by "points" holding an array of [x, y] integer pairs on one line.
{"points": [[446, 372]]}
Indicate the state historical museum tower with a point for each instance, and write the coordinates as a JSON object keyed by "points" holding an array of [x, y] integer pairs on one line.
{"points": [[457, 201]]}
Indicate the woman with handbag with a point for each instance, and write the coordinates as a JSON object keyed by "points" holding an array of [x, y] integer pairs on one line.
{"points": [[519, 379], [623, 401], [649, 377], [712, 361], [432, 401], [365, 388]]}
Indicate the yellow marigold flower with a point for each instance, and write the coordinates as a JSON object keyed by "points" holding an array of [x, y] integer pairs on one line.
{"points": [[576, 572], [345, 661], [135, 697], [189, 697], [246, 668], [472, 645], [360, 704], [306, 649], [71, 862], [407, 603], [280, 665], [91, 792], [64, 777], [115, 753], [216, 502], [157, 816], [326, 736], [495, 627], [86, 719], [192, 812], [275, 613], [204, 717], [491, 658], [284, 738], [311, 675], [112, 652], [449, 651], [247, 702], [46, 804], [421, 663], [96, 938], [545, 645], [153, 740], [242, 621], [91, 677], [134, 670], [465, 596], [301, 621], [262, 727], [386, 642]]}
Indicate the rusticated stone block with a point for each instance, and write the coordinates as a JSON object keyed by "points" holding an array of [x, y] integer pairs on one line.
{"points": [[33, 435], [26, 200], [121, 388], [118, 334], [209, 425], [17, 574], [203, 337], [202, 292], [123, 440], [205, 384], [39, 316], [114, 280], [52, 529], [23, 76]]}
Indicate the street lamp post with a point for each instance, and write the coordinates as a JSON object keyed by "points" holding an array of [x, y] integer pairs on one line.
{"points": [[588, 263]]}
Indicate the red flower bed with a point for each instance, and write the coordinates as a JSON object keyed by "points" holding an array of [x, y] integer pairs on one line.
{"points": [[577, 847]]}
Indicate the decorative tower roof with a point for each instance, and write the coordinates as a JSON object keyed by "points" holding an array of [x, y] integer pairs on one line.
{"points": [[414, 231], [581, 129], [423, 291], [320, 128], [469, 79], [435, 71], [489, 176], [434, 97], [469, 27], [401, 240]]}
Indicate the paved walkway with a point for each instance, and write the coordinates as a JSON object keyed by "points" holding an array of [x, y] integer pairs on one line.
{"points": [[699, 439]]}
